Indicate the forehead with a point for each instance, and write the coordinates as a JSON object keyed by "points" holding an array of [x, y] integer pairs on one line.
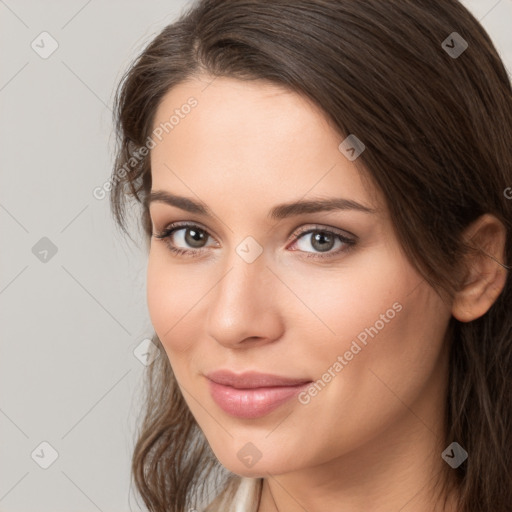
{"points": [[249, 140]]}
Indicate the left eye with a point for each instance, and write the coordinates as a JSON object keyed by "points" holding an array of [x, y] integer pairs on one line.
{"points": [[321, 240], [193, 237]]}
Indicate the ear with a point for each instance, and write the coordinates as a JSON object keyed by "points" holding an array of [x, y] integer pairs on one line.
{"points": [[485, 273]]}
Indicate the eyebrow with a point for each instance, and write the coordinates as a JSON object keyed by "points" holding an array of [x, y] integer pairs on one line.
{"points": [[280, 211]]}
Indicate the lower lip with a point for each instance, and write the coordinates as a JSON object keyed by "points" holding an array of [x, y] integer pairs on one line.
{"points": [[252, 403]]}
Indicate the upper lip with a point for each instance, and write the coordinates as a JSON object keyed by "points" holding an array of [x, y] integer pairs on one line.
{"points": [[253, 379]]}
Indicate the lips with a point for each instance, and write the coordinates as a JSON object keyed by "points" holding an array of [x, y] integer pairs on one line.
{"points": [[252, 394]]}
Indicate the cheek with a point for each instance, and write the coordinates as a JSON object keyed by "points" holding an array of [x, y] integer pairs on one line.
{"points": [[377, 380], [386, 324], [172, 293], [341, 302]]}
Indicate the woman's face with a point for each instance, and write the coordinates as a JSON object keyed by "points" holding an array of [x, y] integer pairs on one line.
{"points": [[272, 289]]}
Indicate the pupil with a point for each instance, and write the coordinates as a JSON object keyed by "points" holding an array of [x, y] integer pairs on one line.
{"points": [[194, 237], [322, 238]]}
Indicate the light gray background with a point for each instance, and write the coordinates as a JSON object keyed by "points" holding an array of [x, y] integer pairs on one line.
{"points": [[69, 326]]}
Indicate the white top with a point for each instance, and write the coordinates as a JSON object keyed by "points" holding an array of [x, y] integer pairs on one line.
{"points": [[245, 498], [246, 495]]}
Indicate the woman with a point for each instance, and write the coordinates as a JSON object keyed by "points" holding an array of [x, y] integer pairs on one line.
{"points": [[323, 190]]}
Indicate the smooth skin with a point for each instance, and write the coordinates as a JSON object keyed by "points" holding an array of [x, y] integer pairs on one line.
{"points": [[371, 439]]}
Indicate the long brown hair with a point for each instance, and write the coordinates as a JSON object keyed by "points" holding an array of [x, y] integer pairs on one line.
{"points": [[435, 115]]}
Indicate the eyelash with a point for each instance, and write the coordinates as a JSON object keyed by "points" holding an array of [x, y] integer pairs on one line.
{"points": [[192, 253]]}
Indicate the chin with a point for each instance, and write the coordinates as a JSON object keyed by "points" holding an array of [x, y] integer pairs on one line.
{"points": [[260, 469]]}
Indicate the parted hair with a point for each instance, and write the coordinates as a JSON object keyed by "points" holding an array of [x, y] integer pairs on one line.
{"points": [[437, 128]]}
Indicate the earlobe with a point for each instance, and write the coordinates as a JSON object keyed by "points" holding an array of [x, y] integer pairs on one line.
{"points": [[485, 273]]}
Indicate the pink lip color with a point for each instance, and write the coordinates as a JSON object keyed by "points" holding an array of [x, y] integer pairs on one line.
{"points": [[252, 401]]}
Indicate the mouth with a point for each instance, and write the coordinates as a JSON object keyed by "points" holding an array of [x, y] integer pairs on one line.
{"points": [[252, 395]]}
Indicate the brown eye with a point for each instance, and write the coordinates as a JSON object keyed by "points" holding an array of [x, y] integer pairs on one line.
{"points": [[322, 241], [191, 236], [191, 240], [194, 237]]}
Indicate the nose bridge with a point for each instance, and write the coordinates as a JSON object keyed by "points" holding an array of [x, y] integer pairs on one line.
{"points": [[244, 302], [243, 283]]}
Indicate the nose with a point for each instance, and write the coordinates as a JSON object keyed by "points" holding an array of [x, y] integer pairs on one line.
{"points": [[245, 306]]}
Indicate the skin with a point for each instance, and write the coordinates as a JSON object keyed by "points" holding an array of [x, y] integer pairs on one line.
{"points": [[372, 438]]}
